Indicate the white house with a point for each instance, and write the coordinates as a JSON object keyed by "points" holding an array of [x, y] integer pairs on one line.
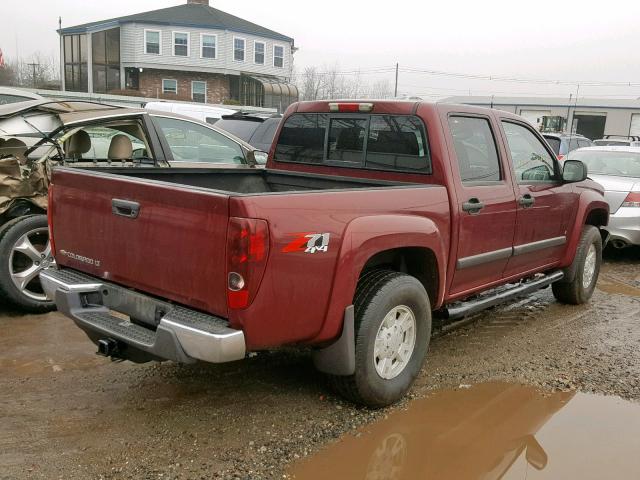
{"points": [[187, 52]]}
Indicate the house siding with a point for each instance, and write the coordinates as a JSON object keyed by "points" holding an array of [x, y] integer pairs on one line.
{"points": [[133, 52]]}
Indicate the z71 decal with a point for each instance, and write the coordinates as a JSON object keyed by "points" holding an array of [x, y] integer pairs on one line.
{"points": [[308, 242]]}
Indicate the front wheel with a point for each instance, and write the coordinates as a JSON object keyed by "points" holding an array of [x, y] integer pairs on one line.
{"points": [[584, 270], [25, 251], [393, 329]]}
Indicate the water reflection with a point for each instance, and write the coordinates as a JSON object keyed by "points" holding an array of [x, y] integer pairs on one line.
{"points": [[488, 431]]}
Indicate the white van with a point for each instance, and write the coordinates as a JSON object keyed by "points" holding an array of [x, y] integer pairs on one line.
{"points": [[204, 113]]}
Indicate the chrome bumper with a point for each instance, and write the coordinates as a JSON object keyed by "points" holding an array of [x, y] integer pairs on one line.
{"points": [[162, 330]]}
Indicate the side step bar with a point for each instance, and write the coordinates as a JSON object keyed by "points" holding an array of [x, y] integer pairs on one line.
{"points": [[459, 310]]}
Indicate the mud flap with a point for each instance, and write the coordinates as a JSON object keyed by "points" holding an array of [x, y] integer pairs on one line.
{"points": [[339, 358]]}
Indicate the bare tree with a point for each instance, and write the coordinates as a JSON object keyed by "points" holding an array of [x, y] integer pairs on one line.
{"points": [[310, 84], [381, 89], [9, 75], [37, 71]]}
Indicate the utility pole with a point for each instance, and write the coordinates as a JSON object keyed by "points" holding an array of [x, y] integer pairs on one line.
{"points": [[395, 92], [33, 66]]}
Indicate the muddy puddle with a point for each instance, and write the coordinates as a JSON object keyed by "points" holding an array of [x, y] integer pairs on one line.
{"points": [[490, 431], [41, 344]]}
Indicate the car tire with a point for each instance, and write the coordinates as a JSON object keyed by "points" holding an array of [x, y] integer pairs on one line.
{"points": [[584, 270], [24, 249], [392, 333]]}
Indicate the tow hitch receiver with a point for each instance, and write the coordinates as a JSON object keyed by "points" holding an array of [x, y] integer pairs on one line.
{"points": [[108, 347]]}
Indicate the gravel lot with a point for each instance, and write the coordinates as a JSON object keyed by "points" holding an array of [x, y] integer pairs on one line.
{"points": [[67, 413]]}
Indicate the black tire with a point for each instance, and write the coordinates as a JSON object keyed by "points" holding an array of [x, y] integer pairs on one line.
{"points": [[378, 293], [10, 234], [574, 291]]}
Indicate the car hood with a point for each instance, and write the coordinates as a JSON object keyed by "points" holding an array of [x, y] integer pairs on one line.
{"points": [[616, 188]]}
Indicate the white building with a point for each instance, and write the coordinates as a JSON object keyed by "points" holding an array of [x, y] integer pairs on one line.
{"points": [[187, 52], [592, 118]]}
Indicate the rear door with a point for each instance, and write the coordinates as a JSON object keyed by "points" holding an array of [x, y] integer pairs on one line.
{"points": [[485, 201], [160, 238], [546, 206]]}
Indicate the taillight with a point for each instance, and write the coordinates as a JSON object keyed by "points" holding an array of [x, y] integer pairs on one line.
{"points": [[632, 200], [50, 219], [560, 157], [247, 251], [351, 107]]}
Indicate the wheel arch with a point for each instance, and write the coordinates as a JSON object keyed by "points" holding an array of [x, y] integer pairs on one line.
{"points": [[21, 207], [398, 242], [419, 262]]}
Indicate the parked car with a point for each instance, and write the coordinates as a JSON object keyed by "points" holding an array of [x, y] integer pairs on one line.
{"points": [[563, 143], [369, 218], [15, 95], [256, 129], [618, 141], [617, 169], [41, 133], [204, 113]]}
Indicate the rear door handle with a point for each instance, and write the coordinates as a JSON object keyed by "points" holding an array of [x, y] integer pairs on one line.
{"points": [[526, 200], [473, 205], [125, 208]]}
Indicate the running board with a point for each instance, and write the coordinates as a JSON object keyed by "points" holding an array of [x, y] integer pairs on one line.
{"points": [[459, 310]]}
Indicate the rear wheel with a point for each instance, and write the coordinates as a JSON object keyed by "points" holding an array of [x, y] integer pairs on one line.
{"points": [[584, 270], [393, 328], [24, 252]]}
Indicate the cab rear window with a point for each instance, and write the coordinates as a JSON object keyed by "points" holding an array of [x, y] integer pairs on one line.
{"points": [[378, 142]]}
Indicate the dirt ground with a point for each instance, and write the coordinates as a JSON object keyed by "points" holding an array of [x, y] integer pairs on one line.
{"points": [[67, 413]]}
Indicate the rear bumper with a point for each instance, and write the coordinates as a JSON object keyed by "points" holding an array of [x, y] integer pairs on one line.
{"points": [[162, 330], [625, 225]]}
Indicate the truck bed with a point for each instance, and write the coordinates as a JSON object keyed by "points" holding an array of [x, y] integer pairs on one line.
{"points": [[164, 231], [251, 182]]}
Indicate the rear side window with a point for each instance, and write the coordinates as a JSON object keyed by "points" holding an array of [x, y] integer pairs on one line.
{"points": [[302, 139], [397, 143], [379, 142], [573, 144], [554, 143], [475, 149]]}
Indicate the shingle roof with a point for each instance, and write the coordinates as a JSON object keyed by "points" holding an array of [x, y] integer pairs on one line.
{"points": [[186, 15]]}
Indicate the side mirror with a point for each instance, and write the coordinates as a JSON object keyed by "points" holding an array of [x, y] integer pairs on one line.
{"points": [[259, 157], [574, 171]]}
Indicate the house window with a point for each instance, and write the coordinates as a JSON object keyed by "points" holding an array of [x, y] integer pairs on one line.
{"points": [[209, 45], [169, 86], [238, 49], [105, 56], [75, 63], [199, 92], [258, 53], [180, 44], [152, 42], [278, 56]]}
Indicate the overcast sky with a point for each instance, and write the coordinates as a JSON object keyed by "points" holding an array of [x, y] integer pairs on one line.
{"points": [[556, 40]]}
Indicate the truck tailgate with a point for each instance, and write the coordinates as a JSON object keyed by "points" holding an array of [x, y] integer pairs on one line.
{"points": [[173, 246]]}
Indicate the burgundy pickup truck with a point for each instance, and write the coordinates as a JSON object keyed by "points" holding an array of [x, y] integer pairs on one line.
{"points": [[370, 219]]}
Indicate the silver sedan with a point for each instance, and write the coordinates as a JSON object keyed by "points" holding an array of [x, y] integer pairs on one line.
{"points": [[617, 169]]}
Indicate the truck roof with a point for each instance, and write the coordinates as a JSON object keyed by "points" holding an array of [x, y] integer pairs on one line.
{"points": [[397, 107]]}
